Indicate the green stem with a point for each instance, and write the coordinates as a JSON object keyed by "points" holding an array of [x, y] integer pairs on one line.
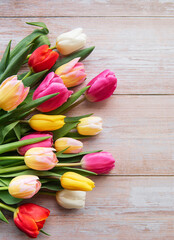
{"points": [[11, 209], [14, 169], [68, 164], [47, 193], [74, 105], [27, 75], [54, 47], [11, 158], [3, 188], [24, 121]]}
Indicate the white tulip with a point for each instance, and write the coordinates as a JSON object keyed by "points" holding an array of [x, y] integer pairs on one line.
{"points": [[71, 199], [71, 41]]}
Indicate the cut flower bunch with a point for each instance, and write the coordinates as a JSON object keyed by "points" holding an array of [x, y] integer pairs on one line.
{"points": [[41, 148]]}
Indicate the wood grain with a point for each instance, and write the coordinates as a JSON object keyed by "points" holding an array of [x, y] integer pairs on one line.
{"points": [[86, 8], [117, 209], [137, 130], [139, 51]]}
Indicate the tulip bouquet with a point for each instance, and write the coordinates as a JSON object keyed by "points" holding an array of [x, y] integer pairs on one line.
{"points": [[41, 151]]}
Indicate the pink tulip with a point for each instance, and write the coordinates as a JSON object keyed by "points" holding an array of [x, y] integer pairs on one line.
{"points": [[102, 86], [72, 73], [12, 93], [100, 162], [52, 84], [46, 143]]}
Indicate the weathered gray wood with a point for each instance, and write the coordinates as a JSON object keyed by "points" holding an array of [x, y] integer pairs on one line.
{"points": [[139, 51], [87, 8]]}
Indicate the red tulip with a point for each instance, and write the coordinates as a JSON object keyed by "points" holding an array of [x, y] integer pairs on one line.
{"points": [[42, 58], [30, 218]]}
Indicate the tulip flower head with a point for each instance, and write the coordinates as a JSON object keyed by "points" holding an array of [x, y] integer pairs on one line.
{"points": [[42, 122], [52, 84], [12, 93], [40, 158], [46, 143], [72, 73], [24, 186], [90, 126], [74, 181], [100, 162], [42, 58], [101, 87], [74, 146], [71, 199], [30, 218], [72, 41]]}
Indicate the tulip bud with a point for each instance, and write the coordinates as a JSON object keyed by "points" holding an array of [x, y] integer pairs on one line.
{"points": [[90, 126], [40, 158], [72, 73], [71, 199], [12, 93], [101, 87], [100, 162], [74, 181], [46, 143], [72, 41], [52, 84], [42, 122], [75, 146], [30, 218], [24, 186], [42, 58]]}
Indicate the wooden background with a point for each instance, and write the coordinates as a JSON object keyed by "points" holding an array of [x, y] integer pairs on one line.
{"points": [[135, 39]]}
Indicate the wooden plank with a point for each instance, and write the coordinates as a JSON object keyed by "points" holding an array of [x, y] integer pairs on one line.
{"points": [[139, 51], [117, 209], [137, 130], [86, 8]]}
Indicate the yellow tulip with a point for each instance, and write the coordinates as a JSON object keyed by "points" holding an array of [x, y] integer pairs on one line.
{"points": [[74, 181], [25, 186], [12, 93], [42, 122], [90, 126]]}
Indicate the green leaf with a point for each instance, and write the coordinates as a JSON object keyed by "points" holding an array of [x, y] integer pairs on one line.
{"points": [[76, 154], [5, 59], [42, 40], [30, 38], [3, 218], [64, 130], [39, 24], [8, 199], [17, 131], [84, 53], [70, 101], [14, 145], [76, 135], [33, 79], [83, 172], [20, 112], [53, 186], [31, 172], [77, 118], [5, 130], [15, 64], [60, 152]]}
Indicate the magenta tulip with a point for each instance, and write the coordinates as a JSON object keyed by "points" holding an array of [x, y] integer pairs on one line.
{"points": [[46, 143], [100, 162], [102, 86], [52, 84]]}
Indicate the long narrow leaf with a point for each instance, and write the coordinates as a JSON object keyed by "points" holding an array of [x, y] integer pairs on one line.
{"points": [[5, 59], [70, 101], [3, 218], [64, 130]]}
